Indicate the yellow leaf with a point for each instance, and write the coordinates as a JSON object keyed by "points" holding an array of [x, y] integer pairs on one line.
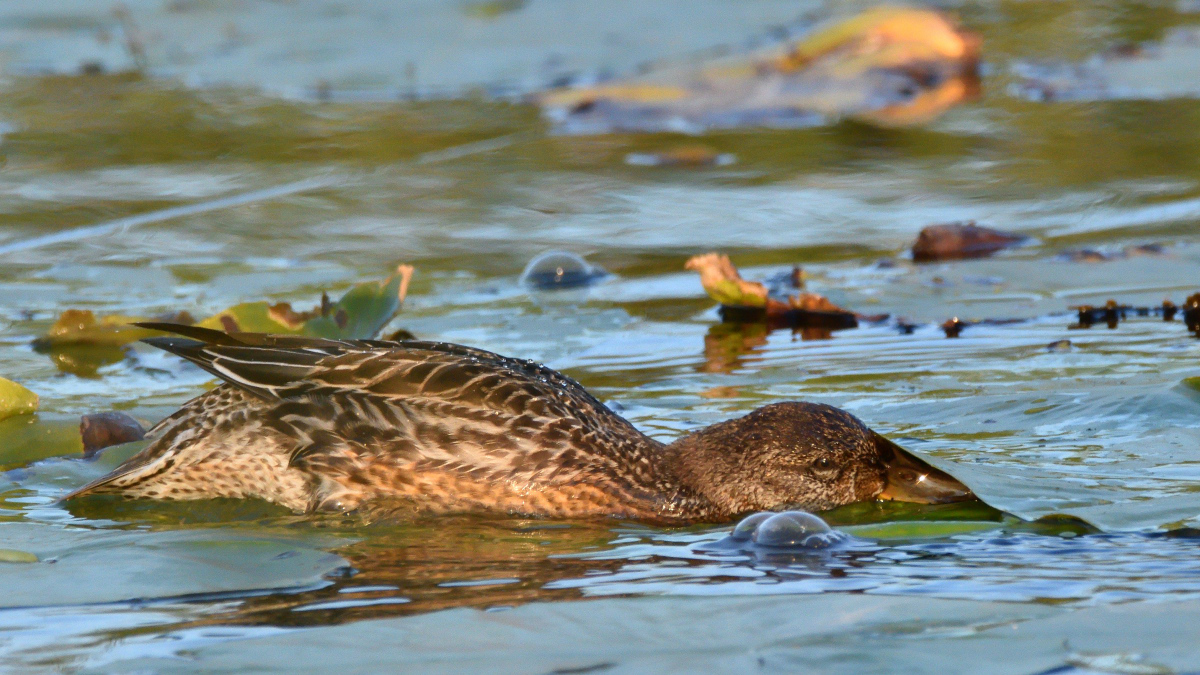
{"points": [[15, 399]]}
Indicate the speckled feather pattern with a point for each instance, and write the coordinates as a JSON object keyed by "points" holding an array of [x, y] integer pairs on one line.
{"points": [[319, 424], [345, 425]]}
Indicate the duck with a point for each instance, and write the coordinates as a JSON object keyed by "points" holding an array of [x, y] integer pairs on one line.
{"points": [[321, 425]]}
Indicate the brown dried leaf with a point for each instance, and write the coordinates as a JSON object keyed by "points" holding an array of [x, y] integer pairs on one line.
{"points": [[961, 240]]}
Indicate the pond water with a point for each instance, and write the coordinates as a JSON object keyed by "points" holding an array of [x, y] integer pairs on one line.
{"points": [[1105, 429]]}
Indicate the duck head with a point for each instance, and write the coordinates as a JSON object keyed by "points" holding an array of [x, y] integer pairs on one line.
{"points": [[803, 455]]}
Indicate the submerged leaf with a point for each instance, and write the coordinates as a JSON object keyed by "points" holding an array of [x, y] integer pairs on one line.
{"points": [[888, 65], [15, 399]]}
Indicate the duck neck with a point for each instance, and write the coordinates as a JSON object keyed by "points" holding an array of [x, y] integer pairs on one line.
{"points": [[683, 480]]}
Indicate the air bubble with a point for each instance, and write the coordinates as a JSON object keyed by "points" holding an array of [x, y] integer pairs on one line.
{"points": [[560, 269], [790, 529]]}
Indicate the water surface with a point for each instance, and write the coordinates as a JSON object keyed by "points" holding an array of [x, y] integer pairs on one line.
{"points": [[1106, 429]]}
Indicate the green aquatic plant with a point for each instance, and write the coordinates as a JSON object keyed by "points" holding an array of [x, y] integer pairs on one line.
{"points": [[79, 342], [15, 399]]}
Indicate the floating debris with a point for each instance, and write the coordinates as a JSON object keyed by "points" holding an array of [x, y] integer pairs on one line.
{"points": [[690, 156], [103, 430], [952, 241], [751, 302], [556, 270], [15, 399], [954, 327], [887, 65], [1149, 70], [1191, 314], [1112, 313], [1088, 255], [1059, 346]]}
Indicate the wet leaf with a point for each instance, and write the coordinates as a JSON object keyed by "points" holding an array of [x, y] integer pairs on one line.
{"points": [[85, 360], [80, 327], [490, 9], [9, 555], [724, 284], [750, 301], [15, 399], [687, 156], [886, 65], [30, 438], [361, 313], [951, 241]]}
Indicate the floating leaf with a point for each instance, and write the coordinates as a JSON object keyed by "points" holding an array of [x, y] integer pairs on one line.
{"points": [[724, 284], [961, 240], [689, 156], [15, 399], [749, 301], [888, 65], [361, 313], [9, 555], [80, 327], [490, 9]]}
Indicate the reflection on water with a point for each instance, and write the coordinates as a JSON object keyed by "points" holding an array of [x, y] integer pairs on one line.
{"points": [[728, 345], [495, 563]]}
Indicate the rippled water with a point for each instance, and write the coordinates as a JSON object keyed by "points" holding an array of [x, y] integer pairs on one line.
{"points": [[1105, 430]]}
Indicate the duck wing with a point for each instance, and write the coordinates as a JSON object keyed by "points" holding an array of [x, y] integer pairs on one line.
{"points": [[354, 406]]}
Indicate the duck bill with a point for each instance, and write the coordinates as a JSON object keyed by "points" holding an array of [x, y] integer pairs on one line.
{"points": [[912, 479]]}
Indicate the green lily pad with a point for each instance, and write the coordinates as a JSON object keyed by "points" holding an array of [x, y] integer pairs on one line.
{"points": [[32, 438], [361, 313], [915, 529], [81, 327], [10, 555], [15, 399]]}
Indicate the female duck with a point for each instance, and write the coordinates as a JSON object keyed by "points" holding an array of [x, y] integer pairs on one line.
{"points": [[317, 424]]}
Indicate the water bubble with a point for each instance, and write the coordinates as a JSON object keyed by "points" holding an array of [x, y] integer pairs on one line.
{"points": [[790, 529], [745, 529], [560, 269]]}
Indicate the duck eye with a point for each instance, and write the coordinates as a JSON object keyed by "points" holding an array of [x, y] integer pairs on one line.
{"points": [[824, 463]]}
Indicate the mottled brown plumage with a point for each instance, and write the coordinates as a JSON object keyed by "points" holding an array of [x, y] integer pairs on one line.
{"points": [[317, 424]]}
